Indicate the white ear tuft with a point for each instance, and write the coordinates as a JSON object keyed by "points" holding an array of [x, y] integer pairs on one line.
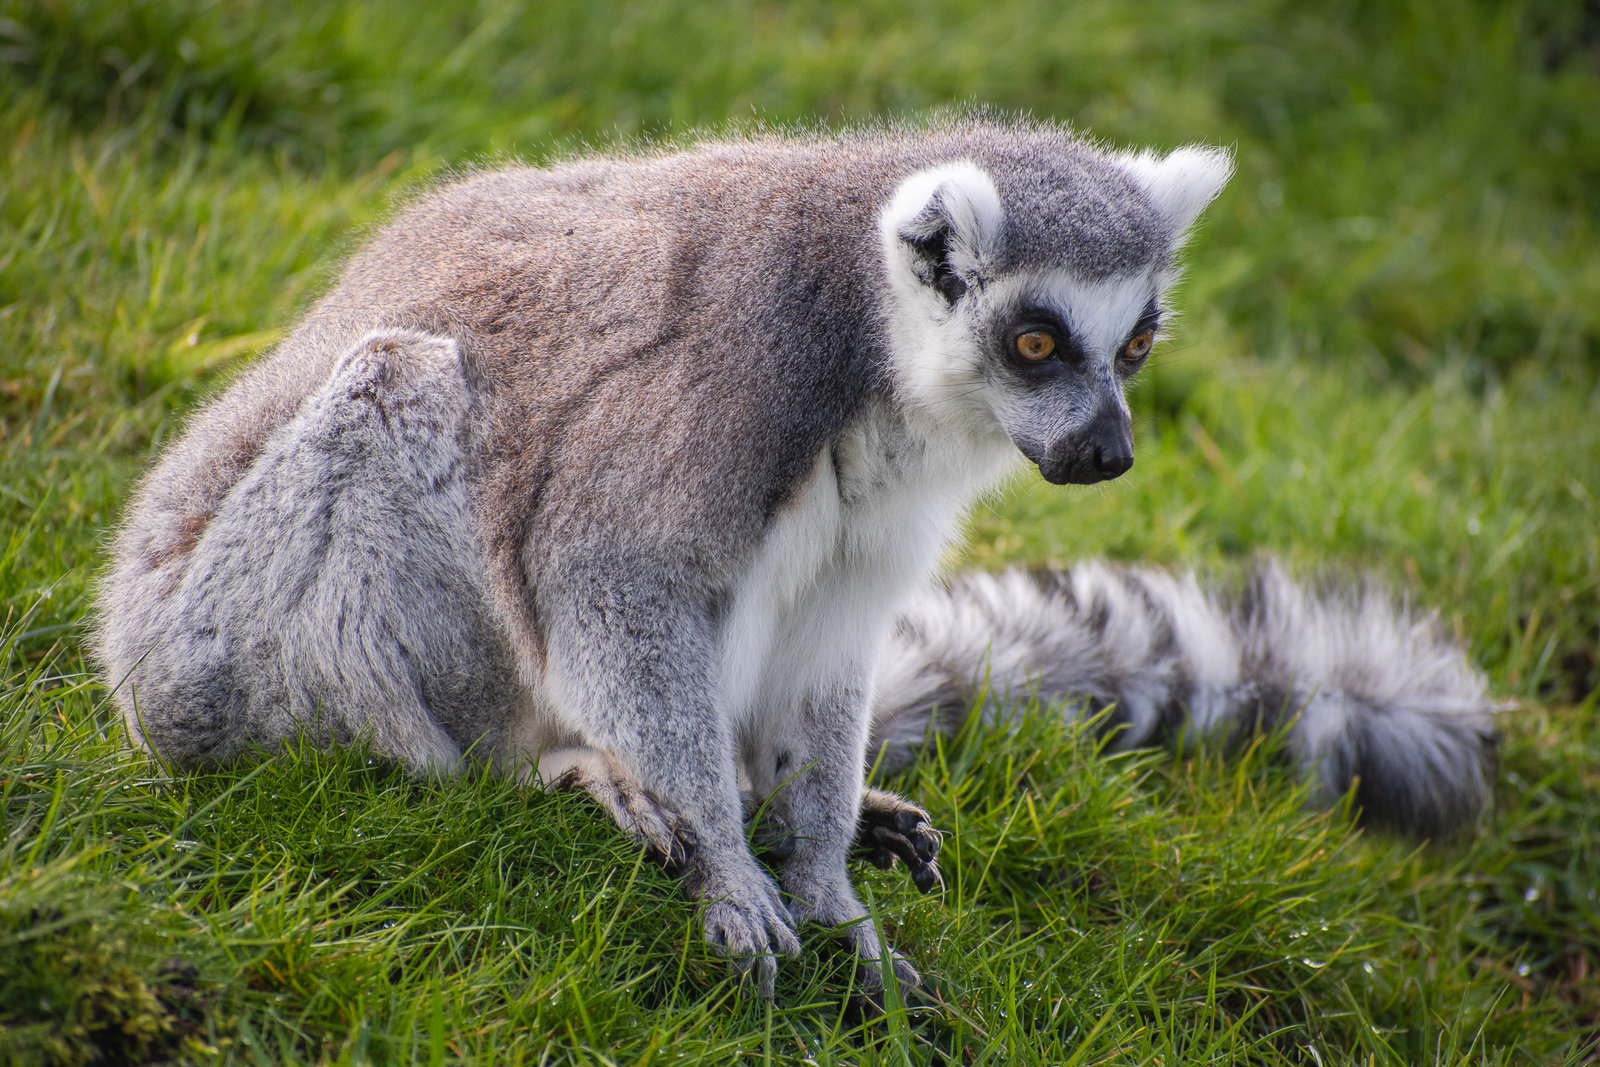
{"points": [[1181, 183], [956, 199]]}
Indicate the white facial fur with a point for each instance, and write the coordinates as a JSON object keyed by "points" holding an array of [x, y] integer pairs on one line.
{"points": [[1098, 316], [945, 368]]}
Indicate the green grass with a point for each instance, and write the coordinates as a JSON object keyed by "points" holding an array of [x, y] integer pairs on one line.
{"points": [[1390, 361]]}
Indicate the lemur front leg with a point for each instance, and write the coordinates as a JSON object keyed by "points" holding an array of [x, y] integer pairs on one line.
{"points": [[812, 773], [630, 668]]}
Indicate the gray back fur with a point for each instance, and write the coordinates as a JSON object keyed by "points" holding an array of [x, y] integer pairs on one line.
{"points": [[578, 296]]}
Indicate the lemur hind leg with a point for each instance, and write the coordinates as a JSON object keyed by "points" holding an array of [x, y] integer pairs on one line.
{"points": [[891, 827], [641, 816], [334, 594]]}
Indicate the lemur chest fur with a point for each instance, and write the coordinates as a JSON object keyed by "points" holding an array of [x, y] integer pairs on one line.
{"points": [[860, 531]]}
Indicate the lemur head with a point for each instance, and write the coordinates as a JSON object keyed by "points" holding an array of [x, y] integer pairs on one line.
{"points": [[1028, 285]]}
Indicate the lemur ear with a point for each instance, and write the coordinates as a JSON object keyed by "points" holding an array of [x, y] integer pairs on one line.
{"points": [[1181, 183], [947, 219]]}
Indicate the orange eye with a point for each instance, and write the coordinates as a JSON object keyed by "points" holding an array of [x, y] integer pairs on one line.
{"points": [[1035, 345], [1139, 347]]}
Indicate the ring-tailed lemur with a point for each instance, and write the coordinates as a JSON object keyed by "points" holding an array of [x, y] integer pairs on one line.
{"points": [[616, 473]]}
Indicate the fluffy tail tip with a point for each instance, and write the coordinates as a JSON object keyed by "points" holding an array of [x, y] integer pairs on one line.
{"points": [[1414, 771]]}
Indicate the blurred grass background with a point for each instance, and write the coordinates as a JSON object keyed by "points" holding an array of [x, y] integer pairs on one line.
{"points": [[1389, 361]]}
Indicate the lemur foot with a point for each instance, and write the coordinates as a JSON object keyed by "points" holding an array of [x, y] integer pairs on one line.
{"points": [[891, 827], [834, 903], [869, 976], [640, 815], [745, 920], [868, 1004]]}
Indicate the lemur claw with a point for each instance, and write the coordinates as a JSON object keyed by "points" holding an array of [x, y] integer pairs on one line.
{"points": [[891, 828]]}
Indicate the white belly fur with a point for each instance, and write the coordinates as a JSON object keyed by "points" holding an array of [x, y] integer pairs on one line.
{"points": [[863, 531]]}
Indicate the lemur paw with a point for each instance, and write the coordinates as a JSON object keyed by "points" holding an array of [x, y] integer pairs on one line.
{"points": [[905, 973], [837, 906], [745, 920], [867, 1005], [891, 827], [644, 818], [869, 973]]}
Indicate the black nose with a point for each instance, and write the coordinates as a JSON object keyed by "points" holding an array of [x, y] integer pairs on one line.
{"points": [[1101, 450], [1111, 443], [1113, 461]]}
